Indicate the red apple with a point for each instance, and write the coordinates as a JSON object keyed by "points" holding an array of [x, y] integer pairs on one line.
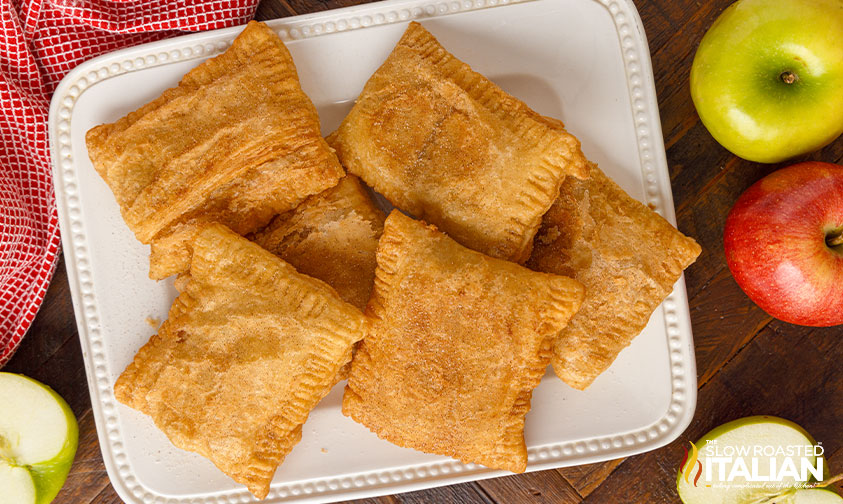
{"points": [[784, 243]]}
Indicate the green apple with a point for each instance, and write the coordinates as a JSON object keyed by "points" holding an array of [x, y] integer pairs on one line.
{"points": [[816, 496], [767, 432], [802, 496], [767, 77], [38, 439]]}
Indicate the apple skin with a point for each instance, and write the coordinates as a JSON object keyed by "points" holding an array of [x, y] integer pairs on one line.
{"points": [[737, 85], [776, 246], [49, 476]]}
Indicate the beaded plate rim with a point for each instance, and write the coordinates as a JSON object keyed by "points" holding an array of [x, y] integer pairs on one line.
{"points": [[636, 57]]}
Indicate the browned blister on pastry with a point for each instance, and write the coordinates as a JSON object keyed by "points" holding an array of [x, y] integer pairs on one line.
{"points": [[236, 142], [627, 256], [332, 236], [458, 342], [447, 145], [249, 348]]}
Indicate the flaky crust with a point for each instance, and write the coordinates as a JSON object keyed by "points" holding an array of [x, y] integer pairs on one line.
{"points": [[458, 341], [332, 236], [236, 142], [249, 348], [447, 145], [627, 256]]}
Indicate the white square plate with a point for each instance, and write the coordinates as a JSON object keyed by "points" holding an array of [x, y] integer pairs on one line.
{"points": [[584, 61]]}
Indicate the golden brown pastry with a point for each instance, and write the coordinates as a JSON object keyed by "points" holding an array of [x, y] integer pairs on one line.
{"points": [[236, 142], [447, 145], [332, 236], [249, 348], [627, 256], [458, 342]]}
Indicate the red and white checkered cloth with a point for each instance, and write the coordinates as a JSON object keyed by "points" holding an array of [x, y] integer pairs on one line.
{"points": [[42, 41]]}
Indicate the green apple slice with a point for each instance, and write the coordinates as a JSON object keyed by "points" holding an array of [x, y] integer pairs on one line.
{"points": [[38, 440], [17, 485], [816, 496], [746, 433]]}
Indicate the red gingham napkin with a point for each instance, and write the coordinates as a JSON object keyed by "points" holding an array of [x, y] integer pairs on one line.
{"points": [[42, 41]]}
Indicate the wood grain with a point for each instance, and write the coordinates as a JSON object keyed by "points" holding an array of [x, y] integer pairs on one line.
{"points": [[545, 487], [586, 478], [748, 363]]}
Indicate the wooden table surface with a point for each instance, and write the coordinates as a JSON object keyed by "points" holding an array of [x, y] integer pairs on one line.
{"points": [[748, 363]]}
